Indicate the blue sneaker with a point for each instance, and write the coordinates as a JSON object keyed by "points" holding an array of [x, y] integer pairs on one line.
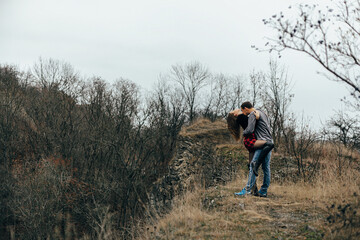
{"points": [[243, 192]]}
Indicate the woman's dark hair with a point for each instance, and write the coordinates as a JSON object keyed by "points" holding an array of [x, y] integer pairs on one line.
{"points": [[242, 120], [246, 105], [234, 123]]}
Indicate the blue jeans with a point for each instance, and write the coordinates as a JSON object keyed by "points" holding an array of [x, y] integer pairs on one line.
{"points": [[266, 170]]}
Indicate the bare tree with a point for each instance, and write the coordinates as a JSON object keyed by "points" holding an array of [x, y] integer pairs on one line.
{"points": [[238, 91], [300, 141], [223, 94], [54, 74], [256, 85], [166, 117], [11, 138], [192, 78], [344, 129], [217, 97], [331, 37], [52, 103], [277, 98]]}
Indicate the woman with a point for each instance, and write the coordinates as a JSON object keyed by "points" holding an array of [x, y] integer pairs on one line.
{"points": [[235, 119]]}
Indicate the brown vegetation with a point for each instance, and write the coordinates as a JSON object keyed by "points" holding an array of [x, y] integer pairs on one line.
{"points": [[327, 208]]}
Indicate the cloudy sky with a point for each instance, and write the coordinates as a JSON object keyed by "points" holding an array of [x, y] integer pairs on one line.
{"points": [[139, 39]]}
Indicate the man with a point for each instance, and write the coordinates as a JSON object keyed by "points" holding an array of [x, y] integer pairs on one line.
{"points": [[261, 128]]}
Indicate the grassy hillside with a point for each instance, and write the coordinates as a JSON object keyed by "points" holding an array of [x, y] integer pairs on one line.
{"points": [[327, 207]]}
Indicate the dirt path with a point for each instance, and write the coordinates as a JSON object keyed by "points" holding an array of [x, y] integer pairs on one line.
{"points": [[250, 217]]}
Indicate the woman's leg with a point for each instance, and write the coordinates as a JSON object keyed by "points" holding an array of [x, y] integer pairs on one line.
{"points": [[251, 155], [259, 144], [254, 190], [265, 149]]}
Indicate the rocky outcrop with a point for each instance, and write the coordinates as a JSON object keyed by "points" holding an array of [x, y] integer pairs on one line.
{"points": [[204, 156]]}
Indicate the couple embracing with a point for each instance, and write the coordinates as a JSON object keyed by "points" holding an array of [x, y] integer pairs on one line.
{"points": [[257, 140]]}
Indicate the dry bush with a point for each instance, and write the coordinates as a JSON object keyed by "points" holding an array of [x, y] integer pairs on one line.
{"points": [[344, 220], [342, 157], [38, 198], [48, 201]]}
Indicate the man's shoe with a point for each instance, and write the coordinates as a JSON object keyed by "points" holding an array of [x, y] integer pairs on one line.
{"points": [[261, 194], [242, 193]]}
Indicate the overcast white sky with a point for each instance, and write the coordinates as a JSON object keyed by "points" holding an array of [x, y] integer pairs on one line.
{"points": [[139, 39]]}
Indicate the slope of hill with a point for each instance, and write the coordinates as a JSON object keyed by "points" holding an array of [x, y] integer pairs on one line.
{"points": [[209, 167]]}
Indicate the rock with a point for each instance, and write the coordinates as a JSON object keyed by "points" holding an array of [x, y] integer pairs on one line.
{"points": [[196, 160]]}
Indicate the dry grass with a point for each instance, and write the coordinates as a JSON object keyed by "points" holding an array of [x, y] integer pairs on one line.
{"points": [[186, 217], [204, 129], [292, 210], [295, 210], [203, 125]]}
